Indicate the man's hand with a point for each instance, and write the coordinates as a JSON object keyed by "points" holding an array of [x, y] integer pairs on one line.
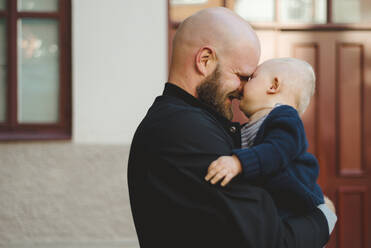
{"points": [[329, 204], [226, 167]]}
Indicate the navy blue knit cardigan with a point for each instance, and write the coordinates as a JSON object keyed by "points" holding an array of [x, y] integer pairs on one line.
{"points": [[279, 162]]}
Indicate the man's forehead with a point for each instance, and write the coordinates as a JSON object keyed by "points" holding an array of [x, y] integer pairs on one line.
{"points": [[241, 61], [247, 63], [247, 69]]}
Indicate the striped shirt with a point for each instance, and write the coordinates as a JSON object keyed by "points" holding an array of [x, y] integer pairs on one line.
{"points": [[249, 131]]}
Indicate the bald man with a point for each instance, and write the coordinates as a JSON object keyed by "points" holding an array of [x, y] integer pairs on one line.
{"points": [[189, 126]]}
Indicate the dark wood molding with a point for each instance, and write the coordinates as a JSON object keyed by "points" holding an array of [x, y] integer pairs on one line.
{"points": [[12, 64], [41, 14], [298, 27], [34, 135], [310, 27], [62, 64], [329, 11], [68, 66]]}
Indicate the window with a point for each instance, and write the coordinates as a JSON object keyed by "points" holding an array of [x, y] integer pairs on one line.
{"points": [[303, 11], [283, 13], [35, 97], [256, 10], [289, 11], [351, 11]]}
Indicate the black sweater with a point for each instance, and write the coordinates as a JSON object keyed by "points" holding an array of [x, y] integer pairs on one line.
{"points": [[172, 204]]}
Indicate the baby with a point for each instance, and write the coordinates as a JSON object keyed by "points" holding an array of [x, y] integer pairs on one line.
{"points": [[274, 146]]}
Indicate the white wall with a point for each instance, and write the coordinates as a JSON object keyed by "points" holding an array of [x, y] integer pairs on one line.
{"points": [[119, 66]]}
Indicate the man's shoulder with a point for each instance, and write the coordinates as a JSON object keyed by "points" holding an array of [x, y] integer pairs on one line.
{"points": [[179, 121], [168, 110]]}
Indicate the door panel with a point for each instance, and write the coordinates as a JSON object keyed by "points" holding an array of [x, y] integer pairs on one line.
{"points": [[349, 107], [338, 123], [309, 53]]}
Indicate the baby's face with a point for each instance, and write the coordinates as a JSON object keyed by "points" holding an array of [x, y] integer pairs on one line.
{"points": [[255, 95]]}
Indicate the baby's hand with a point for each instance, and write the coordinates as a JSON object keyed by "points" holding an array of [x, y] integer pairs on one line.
{"points": [[226, 167]]}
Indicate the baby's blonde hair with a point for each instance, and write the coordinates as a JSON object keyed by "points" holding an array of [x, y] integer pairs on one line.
{"points": [[304, 84]]}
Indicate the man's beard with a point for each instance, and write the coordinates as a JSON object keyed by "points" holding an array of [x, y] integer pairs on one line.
{"points": [[210, 92]]}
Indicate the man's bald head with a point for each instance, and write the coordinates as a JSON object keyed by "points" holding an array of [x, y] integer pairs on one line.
{"points": [[219, 27], [211, 37]]}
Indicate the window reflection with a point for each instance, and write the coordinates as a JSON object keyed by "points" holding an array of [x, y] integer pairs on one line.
{"points": [[255, 10], [303, 11], [38, 71], [351, 11], [37, 5], [2, 4]]}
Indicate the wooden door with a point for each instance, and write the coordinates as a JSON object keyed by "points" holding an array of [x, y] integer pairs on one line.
{"points": [[338, 123]]}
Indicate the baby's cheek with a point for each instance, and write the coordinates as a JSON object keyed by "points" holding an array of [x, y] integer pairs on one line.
{"points": [[245, 91]]}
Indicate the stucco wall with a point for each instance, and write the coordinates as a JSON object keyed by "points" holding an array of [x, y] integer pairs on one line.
{"points": [[58, 194], [119, 66]]}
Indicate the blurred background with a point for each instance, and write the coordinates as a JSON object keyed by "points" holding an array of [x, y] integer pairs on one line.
{"points": [[77, 77]]}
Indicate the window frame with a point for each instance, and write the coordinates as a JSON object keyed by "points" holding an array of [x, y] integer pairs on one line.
{"points": [[277, 25], [11, 129]]}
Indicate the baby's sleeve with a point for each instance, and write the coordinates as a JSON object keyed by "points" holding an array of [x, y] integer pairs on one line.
{"points": [[283, 139]]}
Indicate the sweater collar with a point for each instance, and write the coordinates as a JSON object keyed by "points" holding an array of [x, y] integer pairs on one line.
{"points": [[175, 91]]}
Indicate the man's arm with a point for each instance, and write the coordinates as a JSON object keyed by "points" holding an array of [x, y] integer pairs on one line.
{"points": [[192, 142]]}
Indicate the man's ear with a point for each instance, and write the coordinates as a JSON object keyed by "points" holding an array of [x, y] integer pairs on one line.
{"points": [[275, 86], [205, 60]]}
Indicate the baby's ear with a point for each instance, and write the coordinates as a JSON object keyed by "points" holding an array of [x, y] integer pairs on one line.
{"points": [[275, 86]]}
